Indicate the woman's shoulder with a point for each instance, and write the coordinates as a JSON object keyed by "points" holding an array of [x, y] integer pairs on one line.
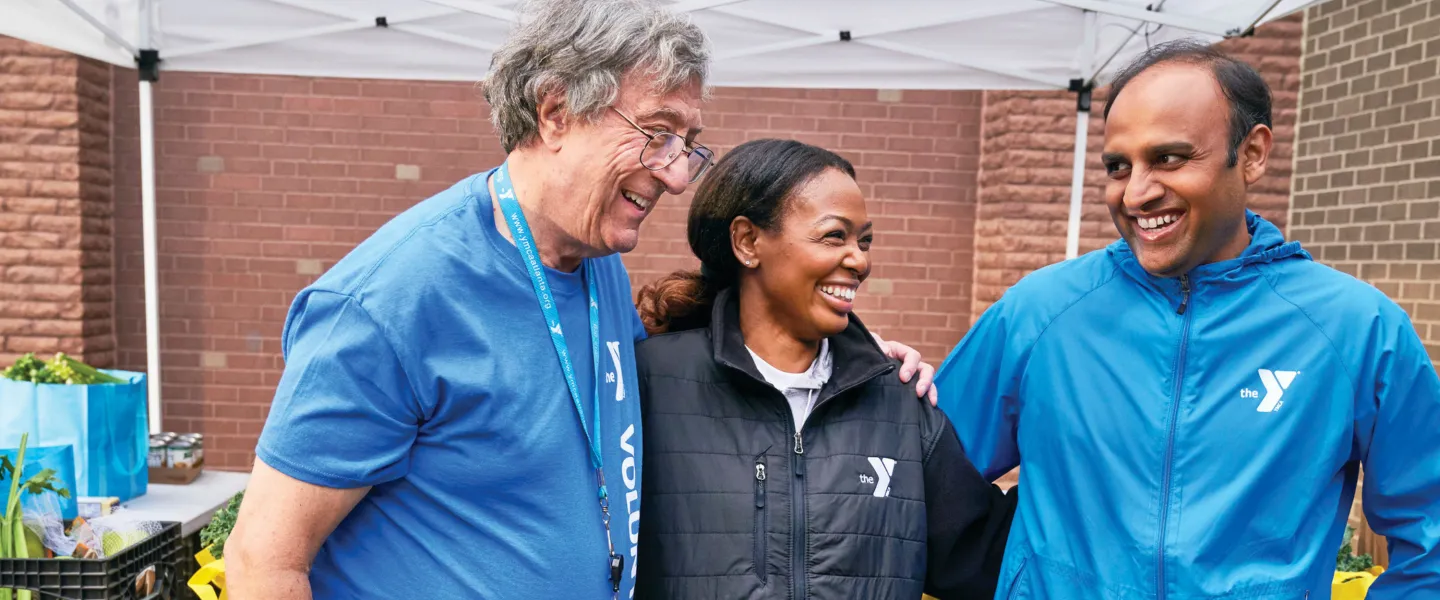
{"points": [[678, 353]]}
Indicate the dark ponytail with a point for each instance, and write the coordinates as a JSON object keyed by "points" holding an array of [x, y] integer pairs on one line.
{"points": [[755, 180]]}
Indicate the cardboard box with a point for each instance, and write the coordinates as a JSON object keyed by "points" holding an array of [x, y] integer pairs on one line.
{"points": [[172, 476]]}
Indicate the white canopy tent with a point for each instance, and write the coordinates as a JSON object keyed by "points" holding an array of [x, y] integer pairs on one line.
{"points": [[891, 44]]}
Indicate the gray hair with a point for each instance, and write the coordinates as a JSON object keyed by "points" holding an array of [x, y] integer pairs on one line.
{"points": [[583, 48]]}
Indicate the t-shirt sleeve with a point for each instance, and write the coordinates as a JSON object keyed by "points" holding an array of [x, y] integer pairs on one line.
{"points": [[344, 414]]}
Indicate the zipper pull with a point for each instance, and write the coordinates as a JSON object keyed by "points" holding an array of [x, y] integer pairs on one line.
{"points": [[1184, 294], [759, 483], [799, 462]]}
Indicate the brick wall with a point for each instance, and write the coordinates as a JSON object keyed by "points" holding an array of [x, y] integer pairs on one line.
{"points": [[1027, 143], [1367, 177], [55, 200], [264, 182]]}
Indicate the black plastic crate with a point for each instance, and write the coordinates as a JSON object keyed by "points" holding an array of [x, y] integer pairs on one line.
{"points": [[110, 578]]}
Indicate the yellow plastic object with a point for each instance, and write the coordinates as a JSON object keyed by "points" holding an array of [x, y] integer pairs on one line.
{"points": [[209, 578], [1353, 585]]}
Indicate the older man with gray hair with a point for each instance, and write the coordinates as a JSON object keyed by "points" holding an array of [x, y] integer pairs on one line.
{"points": [[458, 414]]}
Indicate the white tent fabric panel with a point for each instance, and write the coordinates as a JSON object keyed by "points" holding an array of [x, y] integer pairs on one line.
{"points": [[894, 44], [53, 23]]}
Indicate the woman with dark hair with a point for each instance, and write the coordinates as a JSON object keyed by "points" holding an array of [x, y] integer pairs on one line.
{"points": [[780, 460]]}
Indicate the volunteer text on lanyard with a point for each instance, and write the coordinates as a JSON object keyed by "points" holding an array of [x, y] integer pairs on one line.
{"points": [[526, 243]]}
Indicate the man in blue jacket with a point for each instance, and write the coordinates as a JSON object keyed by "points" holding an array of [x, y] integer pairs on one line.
{"points": [[1190, 406]]}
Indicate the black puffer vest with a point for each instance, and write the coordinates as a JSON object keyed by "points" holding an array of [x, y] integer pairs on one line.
{"points": [[738, 505]]}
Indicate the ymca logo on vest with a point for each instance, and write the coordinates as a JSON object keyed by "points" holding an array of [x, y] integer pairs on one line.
{"points": [[883, 468], [1275, 383]]}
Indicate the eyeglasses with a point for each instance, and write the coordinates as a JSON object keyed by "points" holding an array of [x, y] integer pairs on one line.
{"points": [[664, 147]]}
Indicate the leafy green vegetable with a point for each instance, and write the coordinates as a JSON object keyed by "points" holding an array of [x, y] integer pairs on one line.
{"points": [[28, 368], [39, 483], [44, 481], [16, 540], [60, 369], [11, 544], [215, 534], [1346, 560]]}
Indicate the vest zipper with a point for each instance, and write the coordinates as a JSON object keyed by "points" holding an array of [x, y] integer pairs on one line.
{"points": [[761, 530], [1170, 439], [798, 542]]}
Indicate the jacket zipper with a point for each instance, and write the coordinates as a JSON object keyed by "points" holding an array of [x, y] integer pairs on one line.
{"points": [[761, 530], [1170, 440], [798, 541], [798, 576], [1184, 294]]}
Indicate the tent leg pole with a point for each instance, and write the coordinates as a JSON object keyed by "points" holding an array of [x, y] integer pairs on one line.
{"points": [[1082, 88], [152, 275], [1077, 184], [148, 68]]}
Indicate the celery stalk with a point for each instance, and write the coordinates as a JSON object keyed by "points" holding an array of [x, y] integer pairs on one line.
{"points": [[22, 550], [94, 374], [10, 545]]}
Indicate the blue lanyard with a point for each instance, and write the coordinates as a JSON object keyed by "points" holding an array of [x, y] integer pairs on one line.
{"points": [[526, 243]]}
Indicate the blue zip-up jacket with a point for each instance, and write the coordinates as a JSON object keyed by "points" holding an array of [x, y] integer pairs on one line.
{"points": [[1180, 444]]}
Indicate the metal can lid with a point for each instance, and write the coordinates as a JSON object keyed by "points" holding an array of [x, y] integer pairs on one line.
{"points": [[180, 443]]}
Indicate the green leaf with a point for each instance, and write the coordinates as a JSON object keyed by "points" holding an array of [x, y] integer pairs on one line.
{"points": [[45, 481], [217, 532], [1347, 561]]}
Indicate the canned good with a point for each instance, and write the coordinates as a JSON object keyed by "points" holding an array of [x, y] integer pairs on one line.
{"points": [[159, 454], [197, 440], [181, 454]]}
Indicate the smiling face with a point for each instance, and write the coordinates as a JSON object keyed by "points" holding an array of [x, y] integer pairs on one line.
{"points": [[1172, 193], [599, 162], [810, 267]]}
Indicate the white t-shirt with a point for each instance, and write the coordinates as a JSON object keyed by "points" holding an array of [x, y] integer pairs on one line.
{"points": [[800, 389]]}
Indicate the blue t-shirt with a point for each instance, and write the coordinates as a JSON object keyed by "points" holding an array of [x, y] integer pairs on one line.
{"points": [[421, 365]]}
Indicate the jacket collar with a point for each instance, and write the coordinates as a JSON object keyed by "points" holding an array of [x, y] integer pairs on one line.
{"points": [[857, 358], [1267, 245]]}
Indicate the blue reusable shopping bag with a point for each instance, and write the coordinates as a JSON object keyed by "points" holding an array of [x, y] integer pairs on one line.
{"points": [[105, 423], [59, 458]]}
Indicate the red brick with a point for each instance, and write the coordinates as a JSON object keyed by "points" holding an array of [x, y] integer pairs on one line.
{"points": [[335, 87]]}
